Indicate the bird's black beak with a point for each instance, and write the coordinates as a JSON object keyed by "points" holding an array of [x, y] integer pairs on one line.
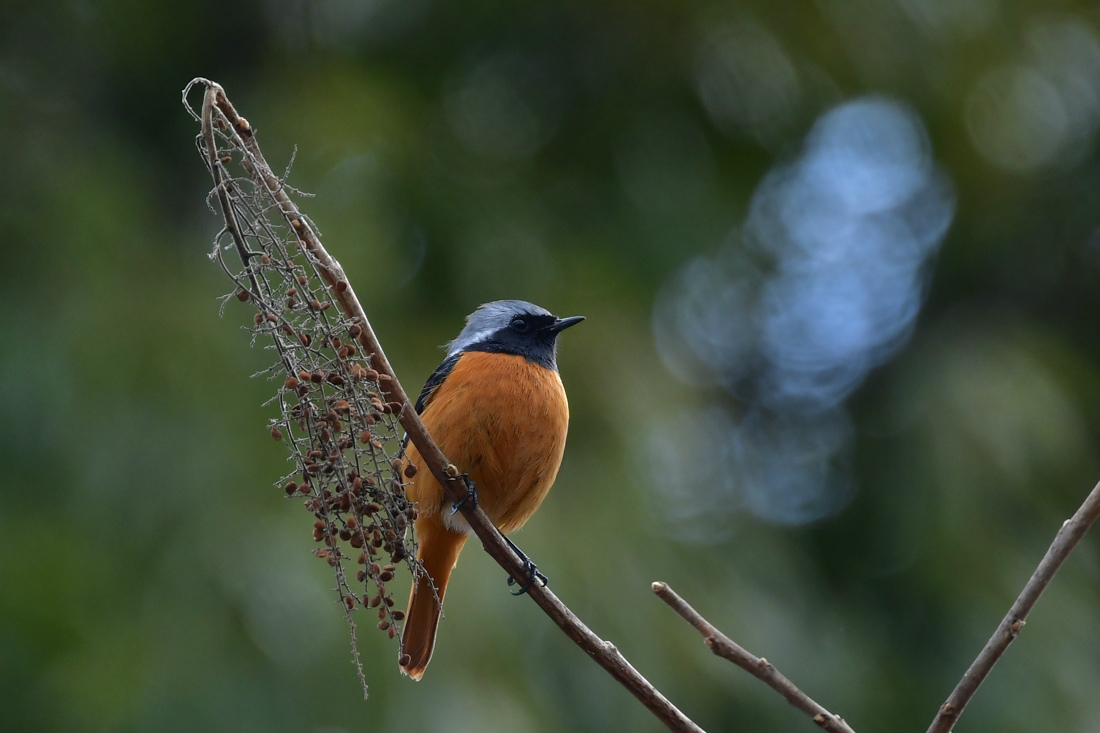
{"points": [[561, 324]]}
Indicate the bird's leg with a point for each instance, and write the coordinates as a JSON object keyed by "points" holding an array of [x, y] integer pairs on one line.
{"points": [[471, 495], [528, 565]]}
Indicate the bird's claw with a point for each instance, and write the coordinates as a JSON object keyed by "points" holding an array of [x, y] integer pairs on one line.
{"points": [[470, 497], [533, 574], [529, 567]]}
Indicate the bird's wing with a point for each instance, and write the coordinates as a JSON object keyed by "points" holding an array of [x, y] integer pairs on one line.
{"points": [[434, 381], [430, 387]]}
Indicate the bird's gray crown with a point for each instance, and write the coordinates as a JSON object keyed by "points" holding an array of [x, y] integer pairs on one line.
{"points": [[490, 319]]}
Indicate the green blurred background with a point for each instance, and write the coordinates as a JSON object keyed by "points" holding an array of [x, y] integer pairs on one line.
{"points": [[838, 384]]}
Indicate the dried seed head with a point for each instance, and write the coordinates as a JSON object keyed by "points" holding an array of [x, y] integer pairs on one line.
{"points": [[398, 615], [276, 433], [391, 632], [242, 295], [349, 602], [355, 330], [258, 318], [290, 488], [410, 470], [317, 377], [302, 279], [383, 624]]}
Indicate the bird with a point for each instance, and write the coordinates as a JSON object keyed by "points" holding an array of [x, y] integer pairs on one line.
{"points": [[496, 407]]}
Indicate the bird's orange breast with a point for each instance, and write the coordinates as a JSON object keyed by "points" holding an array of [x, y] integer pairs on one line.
{"points": [[503, 420]]}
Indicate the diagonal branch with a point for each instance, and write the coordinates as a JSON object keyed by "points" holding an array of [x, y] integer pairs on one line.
{"points": [[604, 653], [758, 667], [1071, 532]]}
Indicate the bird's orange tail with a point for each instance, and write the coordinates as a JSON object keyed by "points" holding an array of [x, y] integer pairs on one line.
{"points": [[438, 553]]}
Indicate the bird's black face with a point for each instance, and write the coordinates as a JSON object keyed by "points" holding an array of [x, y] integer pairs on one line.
{"points": [[528, 334]]}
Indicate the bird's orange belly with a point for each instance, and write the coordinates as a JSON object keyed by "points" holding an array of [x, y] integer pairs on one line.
{"points": [[502, 420]]}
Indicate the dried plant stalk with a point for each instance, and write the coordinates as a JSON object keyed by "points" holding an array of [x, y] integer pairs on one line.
{"points": [[333, 416]]}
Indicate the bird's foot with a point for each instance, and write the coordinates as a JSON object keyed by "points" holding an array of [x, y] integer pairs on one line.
{"points": [[529, 567], [470, 500]]}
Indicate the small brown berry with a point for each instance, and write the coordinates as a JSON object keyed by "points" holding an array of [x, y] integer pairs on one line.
{"points": [[317, 377], [361, 576], [349, 602], [383, 624], [242, 295], [405, 660], [258, 318], [315, 304], [363, 558], [276, 433], [365, 437], [410, 470], [290, 488], [305, 338], [391, 632], [341, 406], [291, 383], [302, 279], [375, 601], [265, 260]]}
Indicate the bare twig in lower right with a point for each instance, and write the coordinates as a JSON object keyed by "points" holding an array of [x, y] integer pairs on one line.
{"points": [[759, 667], [1073, 529]]}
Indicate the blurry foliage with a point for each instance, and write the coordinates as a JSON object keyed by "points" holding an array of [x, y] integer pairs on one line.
{"points": [[579, 155]]}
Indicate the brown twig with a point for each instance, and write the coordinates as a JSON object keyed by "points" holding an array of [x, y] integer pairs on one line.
{"points": [[604, 653], [758, 667], [1071, 532]]}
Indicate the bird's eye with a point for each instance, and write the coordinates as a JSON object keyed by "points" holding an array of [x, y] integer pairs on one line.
{"points": [[518, 324]]}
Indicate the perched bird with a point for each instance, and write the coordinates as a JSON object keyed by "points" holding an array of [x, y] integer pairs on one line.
{"points": [[496, 407]]}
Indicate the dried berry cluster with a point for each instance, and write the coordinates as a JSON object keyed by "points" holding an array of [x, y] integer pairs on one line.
{"points": [[334, 417]]}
